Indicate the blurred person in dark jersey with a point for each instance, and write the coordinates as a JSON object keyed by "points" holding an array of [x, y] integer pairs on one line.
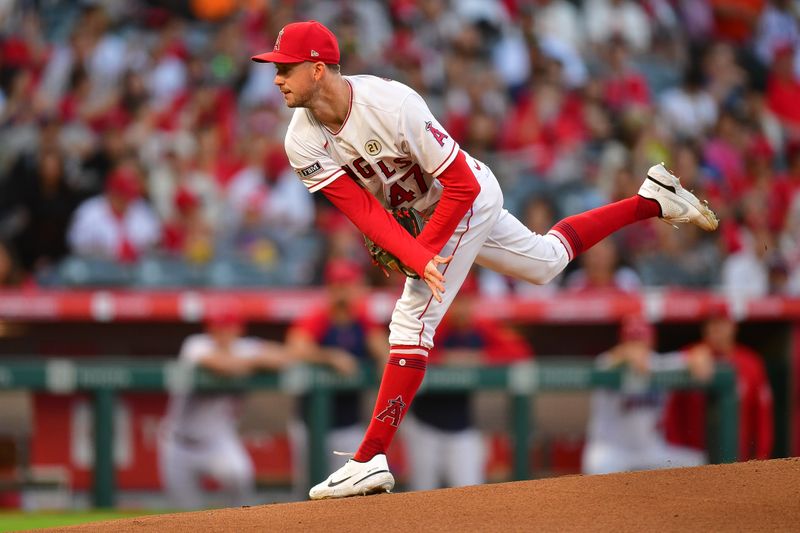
{"points": [[341, 335], [444, 446]]}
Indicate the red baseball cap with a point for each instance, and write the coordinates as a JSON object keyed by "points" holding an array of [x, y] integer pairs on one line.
{"points": [[185, 200], [303, 41], [225, 314], [343, 271], [719, 310], [125, 183]]}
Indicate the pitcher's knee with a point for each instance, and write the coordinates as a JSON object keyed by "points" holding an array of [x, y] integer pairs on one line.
{"points": [[551, 263], [544, 274]]}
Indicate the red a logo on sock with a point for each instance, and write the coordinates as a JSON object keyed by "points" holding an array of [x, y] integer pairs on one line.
{"points": [[394, 410]]}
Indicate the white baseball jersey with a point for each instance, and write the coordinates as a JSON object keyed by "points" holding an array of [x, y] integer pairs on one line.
{"points": [[206, 416], [390, 142], [624, 432], [630, 417], [395, 148]]}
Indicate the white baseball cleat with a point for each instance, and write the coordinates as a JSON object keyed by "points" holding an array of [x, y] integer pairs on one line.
{"points": [[677, 204], [356, 479]]}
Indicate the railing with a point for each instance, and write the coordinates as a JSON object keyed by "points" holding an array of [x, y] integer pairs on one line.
{"points": [[105, 378], [282, 305]]}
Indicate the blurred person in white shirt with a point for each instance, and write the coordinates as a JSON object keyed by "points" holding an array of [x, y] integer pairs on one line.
{"points": [[118, 225], [689, 110], [199, 436], [609, 18], [624, 430]]}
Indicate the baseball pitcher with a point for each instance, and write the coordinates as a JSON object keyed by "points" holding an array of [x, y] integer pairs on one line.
{"points": [[371, 145]]}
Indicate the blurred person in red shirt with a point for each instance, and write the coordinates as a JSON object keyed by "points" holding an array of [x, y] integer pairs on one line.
{"points": [[783, 90], [623, 86], [444, 446], [685, 419], [188, 233], [787, 186], [341, 335], [546, 123], [735, 20]]}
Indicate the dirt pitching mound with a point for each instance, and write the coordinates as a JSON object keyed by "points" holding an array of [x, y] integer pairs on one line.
{"points": [[754, 496]]}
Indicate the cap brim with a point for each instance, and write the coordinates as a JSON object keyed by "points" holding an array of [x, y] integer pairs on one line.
{"points": [[276, 57]]}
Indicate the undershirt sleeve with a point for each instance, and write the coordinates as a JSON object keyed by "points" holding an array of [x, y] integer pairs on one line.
{"points": [[460, 188], [375, 222]]}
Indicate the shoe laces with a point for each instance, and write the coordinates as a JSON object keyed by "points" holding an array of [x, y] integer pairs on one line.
{"points": [[344, 454]]}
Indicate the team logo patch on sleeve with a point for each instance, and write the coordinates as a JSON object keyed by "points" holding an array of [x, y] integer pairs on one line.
{"points": [[438, 134], [310, 170]]}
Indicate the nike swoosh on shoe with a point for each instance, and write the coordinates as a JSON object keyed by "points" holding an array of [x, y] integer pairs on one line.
{"points": [[333, 483]]}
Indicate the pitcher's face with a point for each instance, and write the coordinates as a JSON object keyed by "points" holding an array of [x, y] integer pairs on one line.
{"points": [[297, 82]]}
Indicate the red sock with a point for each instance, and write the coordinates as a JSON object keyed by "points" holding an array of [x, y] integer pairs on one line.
{"points": [[582, 231], [401, 379]]}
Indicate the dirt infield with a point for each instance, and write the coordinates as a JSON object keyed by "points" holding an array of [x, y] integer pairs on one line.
{"points": [[754, 496]]}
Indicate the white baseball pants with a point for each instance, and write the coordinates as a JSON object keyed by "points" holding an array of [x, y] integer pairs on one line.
{"points": [[224, 459], [489, 236], [443, 458]]}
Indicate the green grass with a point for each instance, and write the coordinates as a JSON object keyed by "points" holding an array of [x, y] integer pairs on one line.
{"points": [[19, 521]]}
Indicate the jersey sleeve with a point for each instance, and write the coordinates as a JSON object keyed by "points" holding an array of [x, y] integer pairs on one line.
{"points": [[250, 347], [194, 349], [424, 138], [312, 164]]}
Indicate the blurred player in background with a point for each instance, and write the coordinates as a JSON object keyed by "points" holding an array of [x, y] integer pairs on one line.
{"points": [[372, 145], [625, 426], [686, 412], [199, 438], [444, 446], [341, 335]]}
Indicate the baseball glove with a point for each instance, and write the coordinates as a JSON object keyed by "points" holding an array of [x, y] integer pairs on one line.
{"points": [[412, 222]]}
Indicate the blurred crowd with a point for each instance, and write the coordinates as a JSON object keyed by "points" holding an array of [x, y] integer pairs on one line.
{"points": [[139, 144]]}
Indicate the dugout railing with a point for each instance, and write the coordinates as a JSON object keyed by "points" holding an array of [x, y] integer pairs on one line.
{"points": [[104, 379]]}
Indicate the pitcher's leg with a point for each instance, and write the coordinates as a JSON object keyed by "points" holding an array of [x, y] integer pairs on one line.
{"points": [[515, 250], [415, 318], [582, 231]]}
